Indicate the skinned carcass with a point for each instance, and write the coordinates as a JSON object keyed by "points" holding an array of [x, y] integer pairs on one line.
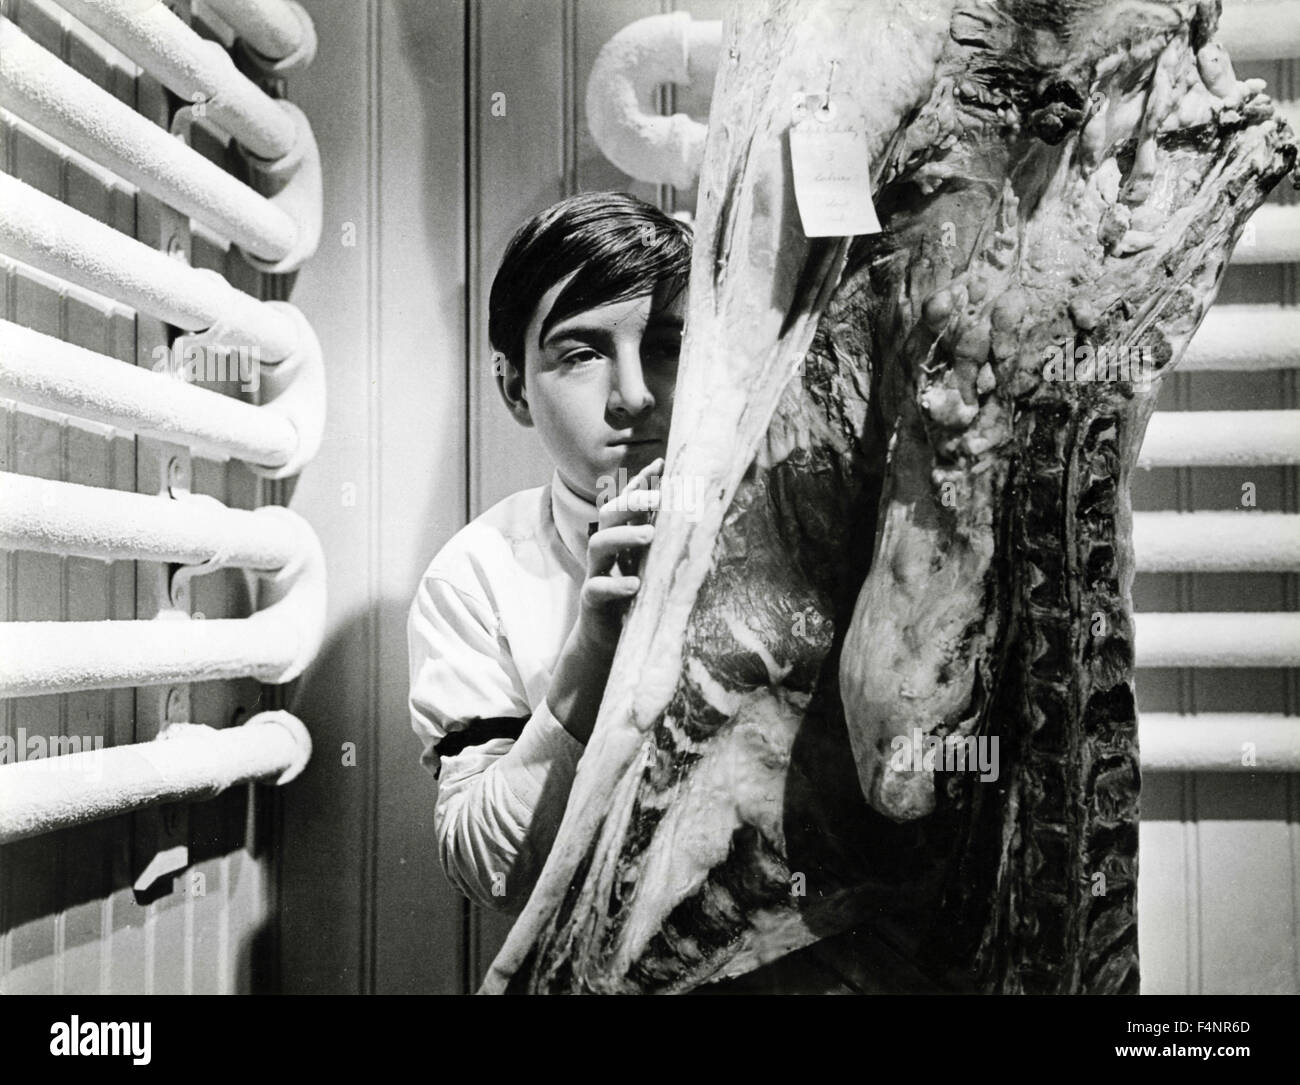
{"points": [[911, 525]]}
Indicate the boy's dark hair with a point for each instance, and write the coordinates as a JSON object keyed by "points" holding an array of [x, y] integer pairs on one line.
{"points": [[618, 245]]}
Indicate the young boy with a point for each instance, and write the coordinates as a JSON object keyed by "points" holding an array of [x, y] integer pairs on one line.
{"points": [[515, 622]]}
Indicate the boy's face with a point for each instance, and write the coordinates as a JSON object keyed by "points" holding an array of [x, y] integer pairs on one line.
{"points": [[599, 386]]}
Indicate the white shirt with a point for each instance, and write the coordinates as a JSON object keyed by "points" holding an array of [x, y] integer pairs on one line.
{"points": [[484, 632]]}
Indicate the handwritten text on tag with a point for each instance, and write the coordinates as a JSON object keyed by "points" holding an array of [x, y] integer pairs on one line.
{"points": [[832, 181]]}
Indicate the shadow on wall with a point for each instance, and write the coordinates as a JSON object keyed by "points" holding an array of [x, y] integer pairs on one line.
{"points": [[362, 904], [111, 937], [322, 825]]}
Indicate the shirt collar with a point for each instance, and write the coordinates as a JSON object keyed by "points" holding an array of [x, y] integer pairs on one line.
{"points": [[573, 514]]}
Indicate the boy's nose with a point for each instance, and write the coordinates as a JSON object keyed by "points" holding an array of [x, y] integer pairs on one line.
{"points": [[628, 393]]}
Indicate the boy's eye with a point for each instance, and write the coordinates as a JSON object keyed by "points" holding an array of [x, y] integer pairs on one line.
{"points": [[582, 354]]}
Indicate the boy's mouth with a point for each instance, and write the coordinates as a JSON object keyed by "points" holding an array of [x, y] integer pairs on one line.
{"points": [[629, 441]]}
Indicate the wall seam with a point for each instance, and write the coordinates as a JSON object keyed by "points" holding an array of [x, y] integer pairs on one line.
{"points": [[374, 540], [569, 91], [473, 232]]}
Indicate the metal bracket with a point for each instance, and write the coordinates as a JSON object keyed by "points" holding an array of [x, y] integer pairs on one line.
{"points": [[160, 835]]}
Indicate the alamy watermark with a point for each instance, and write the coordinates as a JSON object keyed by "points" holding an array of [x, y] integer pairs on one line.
{"points": [[677, 493], [1070, 361], [199, 362], [82, 755], [924, 752], [131, 1039]]}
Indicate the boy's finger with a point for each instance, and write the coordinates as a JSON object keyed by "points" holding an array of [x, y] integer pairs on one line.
{"points": [[600, 590], [642, 477], [604, 546], [638, 481], [627, 505]]}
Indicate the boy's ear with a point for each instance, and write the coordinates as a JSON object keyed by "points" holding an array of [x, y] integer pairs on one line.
{"points": [[510, 383]]}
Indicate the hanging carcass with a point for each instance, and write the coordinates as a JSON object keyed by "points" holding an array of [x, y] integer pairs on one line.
{"points": [[910, 452]]}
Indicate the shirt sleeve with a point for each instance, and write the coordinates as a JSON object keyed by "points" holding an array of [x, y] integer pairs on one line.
{"points": [[499, 804]]}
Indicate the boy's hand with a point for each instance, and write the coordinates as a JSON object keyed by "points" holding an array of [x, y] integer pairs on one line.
{"points": [[614, 553], [578, 683]]}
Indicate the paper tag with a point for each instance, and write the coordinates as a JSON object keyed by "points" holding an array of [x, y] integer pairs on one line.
{"points": [[832, 180]]}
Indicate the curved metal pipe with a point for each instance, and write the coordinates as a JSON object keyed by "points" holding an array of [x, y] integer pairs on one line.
{"points": [[195, 70], [276, 224], [274, 645], [620, 96], [114, 525], [39, 230], [278, 30], [42, 371], [185, 763]]}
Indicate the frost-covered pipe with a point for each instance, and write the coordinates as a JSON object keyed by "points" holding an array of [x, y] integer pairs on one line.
{"points": [[42, 371], [294, 184], [1260, 29], [1221, 439], [196, 70], [1272, 236], [1290, 111], [185, 763], [279, 30], [620, 96], [1208, 542], [1219, 742], [114, 525], [274, 645], [1246, 337], [294, 389], [38, 87], [39, 658], [277, 439], [1228, 639], [39, 230]]}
